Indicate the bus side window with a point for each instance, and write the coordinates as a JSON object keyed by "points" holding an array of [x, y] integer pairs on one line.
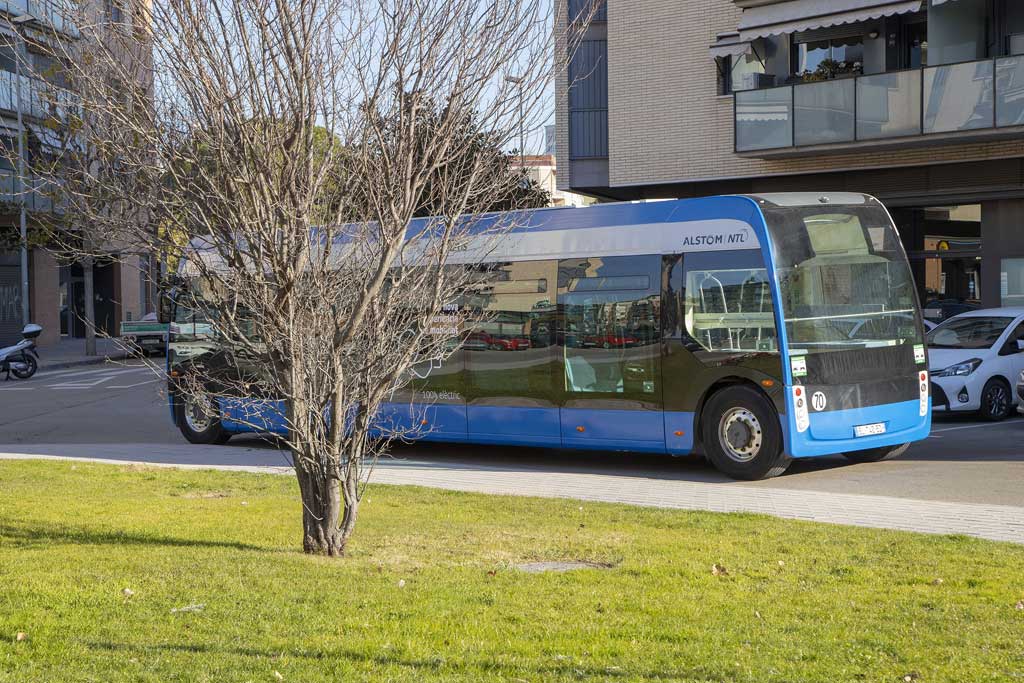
{"points": [[511, 332], [728, 301], [611, 308]]}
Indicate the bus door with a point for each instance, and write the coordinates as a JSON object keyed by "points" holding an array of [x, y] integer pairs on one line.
{"points": [[511, 364], [718, 325], [610, 353]]}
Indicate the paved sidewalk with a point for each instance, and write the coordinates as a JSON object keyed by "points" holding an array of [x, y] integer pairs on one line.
{"points": [[994, 522], [68, 353]]}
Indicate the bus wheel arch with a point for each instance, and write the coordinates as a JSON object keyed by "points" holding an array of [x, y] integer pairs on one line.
{"points": [[199, 426], [716, 386], [740, 430]]}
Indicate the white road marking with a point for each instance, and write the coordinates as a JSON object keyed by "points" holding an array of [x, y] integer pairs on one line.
{"points": [[954, 429], [129, 386], [80, 371], [95, 380]]}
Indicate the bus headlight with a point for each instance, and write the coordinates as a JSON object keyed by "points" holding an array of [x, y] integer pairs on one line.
{"points": [[960, 369]]}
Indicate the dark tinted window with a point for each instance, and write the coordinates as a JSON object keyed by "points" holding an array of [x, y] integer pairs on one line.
{"points": [[508, 346], [610, 332], [970, 332]]}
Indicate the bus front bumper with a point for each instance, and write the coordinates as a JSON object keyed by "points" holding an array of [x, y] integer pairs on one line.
{"points": [[835, 431]]}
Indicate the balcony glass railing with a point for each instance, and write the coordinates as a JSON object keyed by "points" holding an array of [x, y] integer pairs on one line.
{"points": [[38, 99], [38, 194], [986, 94], [55, 13]]}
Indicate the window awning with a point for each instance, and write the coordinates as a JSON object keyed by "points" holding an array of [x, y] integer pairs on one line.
{"points": [[729, 45], [805, 15]]}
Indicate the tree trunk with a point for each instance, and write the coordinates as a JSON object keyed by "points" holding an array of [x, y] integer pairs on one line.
{"points": [[327, 522], [89, 312]]}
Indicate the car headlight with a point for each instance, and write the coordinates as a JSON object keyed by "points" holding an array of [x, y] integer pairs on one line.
{"points": [[960, 369]]}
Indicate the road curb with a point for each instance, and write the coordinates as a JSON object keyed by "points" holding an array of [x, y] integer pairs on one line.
{"points": [[79, 362]]}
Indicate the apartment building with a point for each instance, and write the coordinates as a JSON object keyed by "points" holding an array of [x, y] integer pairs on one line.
{"points": [[30, 108], [918, 102], [541, 169]]}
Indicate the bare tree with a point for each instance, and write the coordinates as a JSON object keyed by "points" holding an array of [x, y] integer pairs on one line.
{"points": [[277, 152]]}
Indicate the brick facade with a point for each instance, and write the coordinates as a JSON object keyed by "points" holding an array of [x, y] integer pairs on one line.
{"points": [[666, 123]]}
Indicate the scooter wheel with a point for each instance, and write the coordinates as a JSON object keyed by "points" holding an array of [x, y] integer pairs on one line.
{"points": [[30, 369]]}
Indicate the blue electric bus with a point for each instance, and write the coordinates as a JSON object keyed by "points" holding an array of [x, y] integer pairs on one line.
{"points": [[752, 329]]}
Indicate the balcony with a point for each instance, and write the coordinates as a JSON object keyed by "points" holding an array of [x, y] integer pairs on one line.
{"points": [[932, 105], [53, 13], [40, 195], [37, 99]]}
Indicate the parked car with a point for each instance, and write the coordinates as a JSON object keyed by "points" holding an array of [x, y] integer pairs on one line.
{"points": [[938, 310], [481, 341], [975, 358], [145, 335], [610, 340]]}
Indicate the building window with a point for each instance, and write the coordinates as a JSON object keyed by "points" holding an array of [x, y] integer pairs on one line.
{"points": [[115, 12], [741, 72], [8, 153], [588, 101], [8, 57], [1011, 282], [49, 69], [829, 57]]}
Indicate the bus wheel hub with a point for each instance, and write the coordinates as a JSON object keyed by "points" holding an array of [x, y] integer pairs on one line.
{"points": [[198, 413], [740, 434]]}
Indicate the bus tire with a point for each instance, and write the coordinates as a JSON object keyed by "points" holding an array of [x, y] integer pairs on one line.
{"points": [[742, 435], [199, 424], [877, 454]]}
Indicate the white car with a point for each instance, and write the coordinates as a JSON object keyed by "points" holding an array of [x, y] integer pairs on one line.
{"points": [[975, 359]]}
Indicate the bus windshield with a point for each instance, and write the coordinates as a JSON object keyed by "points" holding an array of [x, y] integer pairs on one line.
{"points": [[843, 279]]}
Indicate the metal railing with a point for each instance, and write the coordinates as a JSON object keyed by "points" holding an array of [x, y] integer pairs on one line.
{"points": [[39, 195], [38, 99], [58, 14], [949, 98]]}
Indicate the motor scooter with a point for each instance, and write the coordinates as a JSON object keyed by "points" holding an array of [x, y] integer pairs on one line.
{"points": [[21, 360]]}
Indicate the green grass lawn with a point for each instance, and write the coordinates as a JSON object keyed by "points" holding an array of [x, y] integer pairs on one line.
{"points": [[800, 602]]}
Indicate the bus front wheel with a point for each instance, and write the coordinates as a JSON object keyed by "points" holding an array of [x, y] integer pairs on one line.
{"points": [[877, 454], [198, 421], [742, 436]]}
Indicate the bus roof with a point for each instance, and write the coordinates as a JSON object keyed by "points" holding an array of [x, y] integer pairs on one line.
{"points": [[618, 229], [736, 207]]}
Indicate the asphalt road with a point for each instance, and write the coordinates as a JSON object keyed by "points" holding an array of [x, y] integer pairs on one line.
{"points": [[964, 461]]}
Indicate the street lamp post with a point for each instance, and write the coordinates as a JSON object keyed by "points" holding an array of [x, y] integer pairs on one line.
{"points": [[23, 227], [518, 80]]}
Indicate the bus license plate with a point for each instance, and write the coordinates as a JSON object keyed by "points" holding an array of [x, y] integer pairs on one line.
{"points": [[869, 430]]}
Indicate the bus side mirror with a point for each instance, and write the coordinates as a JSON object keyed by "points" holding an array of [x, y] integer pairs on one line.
{"points": [[1020, 345], [167, 288], [165, 307]]}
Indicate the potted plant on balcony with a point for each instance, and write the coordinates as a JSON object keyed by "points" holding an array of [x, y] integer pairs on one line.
{"points": [[831, 68]]}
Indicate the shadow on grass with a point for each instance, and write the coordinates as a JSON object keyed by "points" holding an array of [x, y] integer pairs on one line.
{"points": [[570, 668], [23, 536]]}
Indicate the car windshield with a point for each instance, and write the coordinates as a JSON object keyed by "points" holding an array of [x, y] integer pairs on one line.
{"points": [[843, 278], [972, 332]]}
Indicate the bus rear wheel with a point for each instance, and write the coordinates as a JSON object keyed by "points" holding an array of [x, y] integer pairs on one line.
{"points": [[198, 421], [877, 454], [742, 436]]}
